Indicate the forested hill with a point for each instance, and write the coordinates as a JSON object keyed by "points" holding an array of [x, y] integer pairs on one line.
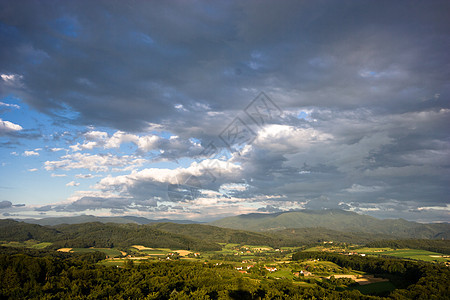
{"points": [[336, 220], [285, 237], [19, 231], [218, 234], [100, 235]]}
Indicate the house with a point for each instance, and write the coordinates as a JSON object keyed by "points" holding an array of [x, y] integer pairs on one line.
{"points": [[305, 273], [271, 269]]}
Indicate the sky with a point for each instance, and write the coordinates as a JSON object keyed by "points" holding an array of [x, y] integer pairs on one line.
{"points": [[200, 110]]}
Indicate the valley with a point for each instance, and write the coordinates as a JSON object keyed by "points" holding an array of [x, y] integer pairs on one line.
{"points": [[200, 261]]}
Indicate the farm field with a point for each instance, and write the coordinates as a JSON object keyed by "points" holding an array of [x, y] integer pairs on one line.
{"points": [[406, 253], [108, 251], [415, 254]]}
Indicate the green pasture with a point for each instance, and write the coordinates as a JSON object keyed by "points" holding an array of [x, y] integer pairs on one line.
{"points": [[282, 273], [423, 255], [41, 245], [108, 251]]}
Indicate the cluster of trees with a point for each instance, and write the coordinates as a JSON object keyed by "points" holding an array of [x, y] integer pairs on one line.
{"points": [[440, 246], [414, 279], [45, 277], [33, 274]]}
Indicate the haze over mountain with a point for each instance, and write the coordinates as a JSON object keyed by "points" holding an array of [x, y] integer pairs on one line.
{"points": [[335, 219], [90, 218]]}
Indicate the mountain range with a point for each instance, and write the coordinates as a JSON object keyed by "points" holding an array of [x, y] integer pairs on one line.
{"points": [[89, 218], [294, 225], [335, 219]]}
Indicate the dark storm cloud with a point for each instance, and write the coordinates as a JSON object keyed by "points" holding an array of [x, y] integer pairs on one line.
{"points": [[373, 76], [123, 64], [5, 204]]}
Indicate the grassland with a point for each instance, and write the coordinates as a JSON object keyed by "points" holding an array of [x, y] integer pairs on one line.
{"points": [[108, 251], [406, 253]]}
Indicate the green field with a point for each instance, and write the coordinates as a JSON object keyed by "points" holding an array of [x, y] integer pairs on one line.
{"points": [[282, 273], [406, 253], [108, 251], [41, 245]]}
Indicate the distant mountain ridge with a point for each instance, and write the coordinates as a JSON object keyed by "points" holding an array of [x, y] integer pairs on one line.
{"points": [[89, 218], [281, 223], [335, 219]]}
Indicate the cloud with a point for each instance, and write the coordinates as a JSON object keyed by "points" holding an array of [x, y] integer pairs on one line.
{"points": [[72, 183], [94, 162], [32, 170], [30, 153], [9, 105], [5, 204], [85, 176], [361, 124], [58, 175], [7, 127], [269, 209], [44, 208], [12, 79]]}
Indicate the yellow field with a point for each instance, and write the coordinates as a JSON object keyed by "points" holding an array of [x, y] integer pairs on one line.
{"points": [[183, 252], [140, 247], [64, 249]]}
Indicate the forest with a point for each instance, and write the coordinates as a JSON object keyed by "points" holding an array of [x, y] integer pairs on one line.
{"points": [[46, 274], [110, 261]]}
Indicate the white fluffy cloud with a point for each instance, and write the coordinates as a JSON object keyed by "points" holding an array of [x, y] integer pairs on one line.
{"points": [[9, 105], [99, 139], [95, 163], [7, 127], [30, 153]]}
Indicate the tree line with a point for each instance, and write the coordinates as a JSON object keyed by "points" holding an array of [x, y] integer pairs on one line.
{"points": [[414, 279]]}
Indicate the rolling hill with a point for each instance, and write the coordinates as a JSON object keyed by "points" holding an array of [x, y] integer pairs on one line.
{"points": [[335, 219], [218, 234], [284, 237], [100, 235]]}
